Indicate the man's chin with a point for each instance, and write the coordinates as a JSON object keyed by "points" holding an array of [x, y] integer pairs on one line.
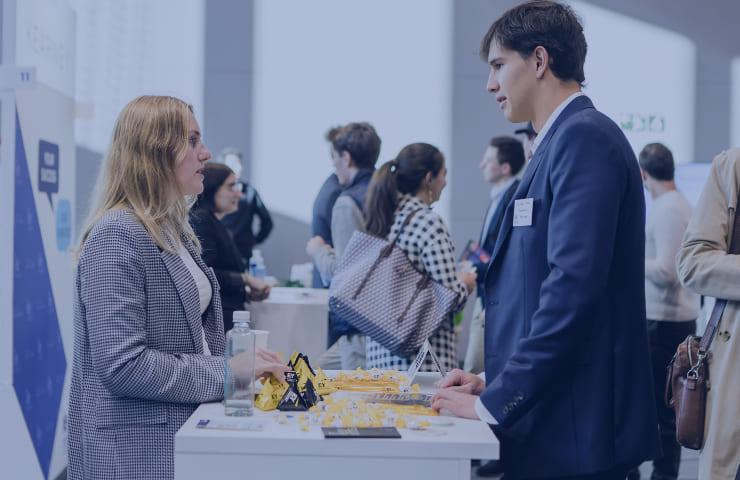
{"points": [[515, 117]]}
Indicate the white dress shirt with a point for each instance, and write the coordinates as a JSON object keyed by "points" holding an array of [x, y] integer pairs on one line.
{"points": [[497, 192], [551, 119]]}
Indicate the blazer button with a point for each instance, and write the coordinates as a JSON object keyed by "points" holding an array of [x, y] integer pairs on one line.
{"points": [[506, 410], [492, 303]]}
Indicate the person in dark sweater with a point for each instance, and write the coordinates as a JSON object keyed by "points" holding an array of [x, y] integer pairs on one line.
{"points": [[221, 194], [355, 150]]}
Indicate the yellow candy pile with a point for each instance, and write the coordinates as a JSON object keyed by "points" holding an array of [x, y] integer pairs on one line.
{"points": [[372, 381], [351, 412]]}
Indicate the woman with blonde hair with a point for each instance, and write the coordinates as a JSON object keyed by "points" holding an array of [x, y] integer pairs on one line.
{"points": [[148, 330]]}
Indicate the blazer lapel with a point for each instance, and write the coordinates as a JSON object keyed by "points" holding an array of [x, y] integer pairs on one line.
{"points": [[576, 105], [188, 293]]}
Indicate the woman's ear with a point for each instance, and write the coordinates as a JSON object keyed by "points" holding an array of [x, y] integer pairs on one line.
{"points": [[428, 178]]}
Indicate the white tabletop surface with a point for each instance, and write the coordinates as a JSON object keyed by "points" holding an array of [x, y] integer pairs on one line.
{"points": [[302, 296], [461, 439]]}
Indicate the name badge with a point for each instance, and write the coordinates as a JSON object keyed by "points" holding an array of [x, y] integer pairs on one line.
{"points": [[523, 212]]}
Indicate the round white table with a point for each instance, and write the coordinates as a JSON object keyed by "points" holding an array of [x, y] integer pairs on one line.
{"points": [[297, 319]]}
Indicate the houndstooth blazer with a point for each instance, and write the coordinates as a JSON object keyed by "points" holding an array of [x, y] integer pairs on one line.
{"points": [[138, 370]]}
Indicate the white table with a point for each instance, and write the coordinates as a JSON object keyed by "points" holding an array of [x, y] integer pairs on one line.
{"points": [[284, 451], [296, 319]]}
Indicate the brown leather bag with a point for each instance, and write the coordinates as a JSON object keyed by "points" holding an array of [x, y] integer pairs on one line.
{"points": [[687, 382]]}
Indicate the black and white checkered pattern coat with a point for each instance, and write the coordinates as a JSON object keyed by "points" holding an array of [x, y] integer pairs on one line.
{"points": [[427, 244], [138, 370]]}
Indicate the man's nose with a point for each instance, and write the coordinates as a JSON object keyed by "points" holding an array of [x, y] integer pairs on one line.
{"points": [[492, 84]]}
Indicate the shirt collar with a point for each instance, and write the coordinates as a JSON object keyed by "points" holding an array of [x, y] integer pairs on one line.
{"points": [[499, 189], [551, 119]]}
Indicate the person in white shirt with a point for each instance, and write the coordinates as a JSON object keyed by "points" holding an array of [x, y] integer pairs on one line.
{"points": [[671, 308]]}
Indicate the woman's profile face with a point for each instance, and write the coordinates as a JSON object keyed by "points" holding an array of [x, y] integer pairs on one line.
{"points": [[189, 172], [438, 183], [226, 199]]}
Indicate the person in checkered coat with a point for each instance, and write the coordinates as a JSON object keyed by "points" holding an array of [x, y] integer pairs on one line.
{"points": [[410, 183], [148, 328]]}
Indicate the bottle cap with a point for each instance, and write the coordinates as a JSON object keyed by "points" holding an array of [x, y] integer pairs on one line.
{"points": [[241, 316]]}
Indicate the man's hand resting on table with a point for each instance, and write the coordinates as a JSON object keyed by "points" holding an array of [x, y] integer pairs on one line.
{"points": [[458, 392]]}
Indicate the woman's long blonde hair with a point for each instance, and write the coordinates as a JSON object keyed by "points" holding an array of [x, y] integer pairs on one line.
{"points": [[149, 140]]}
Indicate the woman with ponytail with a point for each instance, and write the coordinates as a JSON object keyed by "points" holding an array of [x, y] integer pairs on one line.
{"points": [[412, 182]]}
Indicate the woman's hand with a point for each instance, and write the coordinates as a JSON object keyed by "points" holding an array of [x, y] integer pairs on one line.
{"points": [[265, 363], [257, 289]]}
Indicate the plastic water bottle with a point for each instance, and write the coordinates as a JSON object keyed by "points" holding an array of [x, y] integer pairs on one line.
{"points": [[239, 378], [257, 265]]}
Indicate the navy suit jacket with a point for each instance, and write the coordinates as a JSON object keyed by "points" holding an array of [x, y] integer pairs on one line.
{"points": [[566, 351], [489, 240]]}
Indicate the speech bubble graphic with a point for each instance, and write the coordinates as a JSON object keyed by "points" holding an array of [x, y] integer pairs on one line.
{"points": [[64, 224], [48, 169]]}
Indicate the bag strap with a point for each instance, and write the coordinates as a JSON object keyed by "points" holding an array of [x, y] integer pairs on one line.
{"points": [[388, 248], [384, 252], [421, 285], [719, 306]]}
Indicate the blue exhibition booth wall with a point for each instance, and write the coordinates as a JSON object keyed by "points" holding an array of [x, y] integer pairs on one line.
{"points": [[37, 168]]}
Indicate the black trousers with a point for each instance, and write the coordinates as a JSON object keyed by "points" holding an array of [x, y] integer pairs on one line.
{"points": [[664, 337]]}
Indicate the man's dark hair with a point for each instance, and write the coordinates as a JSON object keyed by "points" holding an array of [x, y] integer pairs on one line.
{"points": [[509, 150], [657, 161], [332, 133], [361, 141], [545, 23]]}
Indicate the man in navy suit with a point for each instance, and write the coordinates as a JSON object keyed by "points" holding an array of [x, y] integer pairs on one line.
{"points": [[501, 163], [568, 388]]}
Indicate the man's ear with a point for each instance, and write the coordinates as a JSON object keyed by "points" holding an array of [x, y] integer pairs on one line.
{"points": [[542, 61], [346, 158], [505, 168]]}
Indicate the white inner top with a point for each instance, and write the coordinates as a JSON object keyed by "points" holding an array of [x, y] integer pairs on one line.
{"points": [[205, 291]]}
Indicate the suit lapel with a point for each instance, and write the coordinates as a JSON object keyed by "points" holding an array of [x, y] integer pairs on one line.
{"points": [[496, 220], [520, 193], [188, 293], [485, 232], [578, 104]]}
